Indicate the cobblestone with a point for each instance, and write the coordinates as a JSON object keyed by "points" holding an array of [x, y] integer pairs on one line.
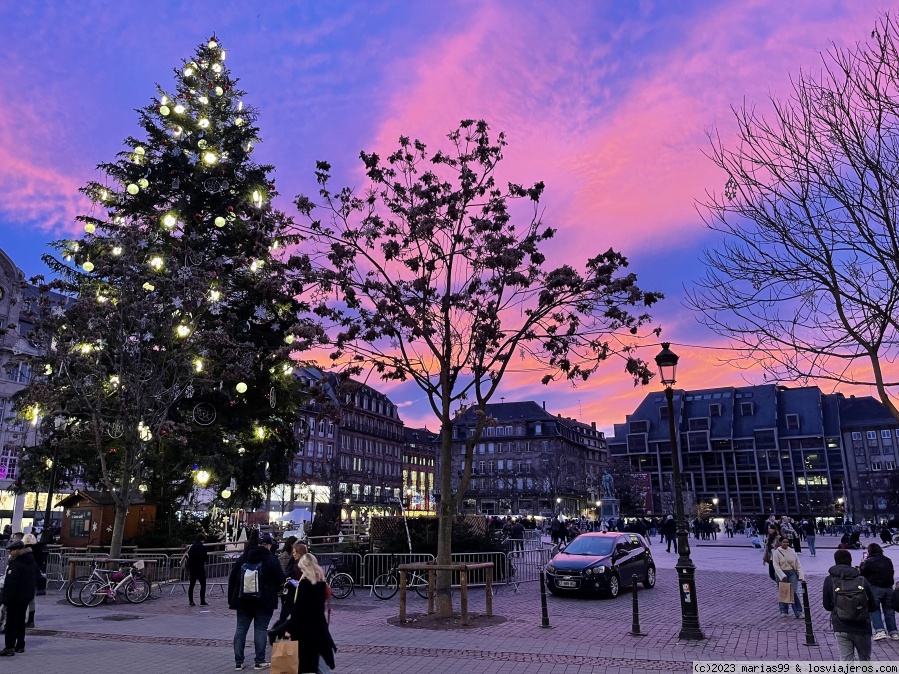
{"points": [[737, 610]]}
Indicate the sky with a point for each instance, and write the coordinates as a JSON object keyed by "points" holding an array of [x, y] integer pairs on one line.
{"points": [[608, 102]]}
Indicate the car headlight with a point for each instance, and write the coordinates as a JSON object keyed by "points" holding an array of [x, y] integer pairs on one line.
{"points": [[550, 568], [599, 569]]}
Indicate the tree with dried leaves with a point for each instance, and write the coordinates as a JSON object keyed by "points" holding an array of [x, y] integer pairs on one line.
{"points": [[424, 277], [805, 280]]}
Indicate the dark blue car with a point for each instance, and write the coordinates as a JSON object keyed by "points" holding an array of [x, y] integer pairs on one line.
{"points": [[601, 563]]}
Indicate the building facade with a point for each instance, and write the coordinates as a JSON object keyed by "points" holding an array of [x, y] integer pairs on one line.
{"points": [[870, 434], [352, 443], [528, 462], [18, 303], [419, 469], [758, 450]]}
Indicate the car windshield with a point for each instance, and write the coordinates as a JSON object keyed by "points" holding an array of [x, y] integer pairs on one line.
{"points": [[589, 545]]}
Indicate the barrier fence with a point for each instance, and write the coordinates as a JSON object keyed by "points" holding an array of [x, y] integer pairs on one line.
{"points": [[512, 568]]}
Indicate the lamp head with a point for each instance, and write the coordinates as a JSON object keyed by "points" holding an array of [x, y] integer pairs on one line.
{"points": [[667, 364]]}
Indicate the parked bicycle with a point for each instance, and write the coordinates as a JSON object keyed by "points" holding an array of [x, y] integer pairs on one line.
{"points": [[109, 583], [73, 589], [387, 584], [341, 583]]}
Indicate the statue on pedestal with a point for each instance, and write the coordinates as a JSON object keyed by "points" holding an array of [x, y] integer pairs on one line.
{"points": [[607, 488]]}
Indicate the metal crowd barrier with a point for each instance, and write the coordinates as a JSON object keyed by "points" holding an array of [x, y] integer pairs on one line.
{"points": [[57, 571], [500, 562], [377, 563], [218, 568], [345, 562], [525, 565]]}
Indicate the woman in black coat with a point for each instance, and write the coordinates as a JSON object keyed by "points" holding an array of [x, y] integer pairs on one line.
{"points": [[19, 588], [308, 623]]}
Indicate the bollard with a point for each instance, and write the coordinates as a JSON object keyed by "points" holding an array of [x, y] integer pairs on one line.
{"points": [[809, 632], [543, 599], [635, 624]]}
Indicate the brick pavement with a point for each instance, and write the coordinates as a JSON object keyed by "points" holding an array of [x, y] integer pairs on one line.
{"points": [[737, 612]]}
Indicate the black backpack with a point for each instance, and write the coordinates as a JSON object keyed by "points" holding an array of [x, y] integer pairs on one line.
{"points": [[850, 601]]}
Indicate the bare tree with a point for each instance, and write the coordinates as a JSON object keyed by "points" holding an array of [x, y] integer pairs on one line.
{"points": [[426, 277], [805, 279], [561, 472]]}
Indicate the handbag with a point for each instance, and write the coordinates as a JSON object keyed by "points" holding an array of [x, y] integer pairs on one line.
{"points": [[285, 657], [785, 592]]}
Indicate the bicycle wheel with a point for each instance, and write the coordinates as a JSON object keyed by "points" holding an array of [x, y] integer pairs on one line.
{"points": [[420, 583], [137, 590], [386, 585], [73, 591], [341, 585], [93, 593]]}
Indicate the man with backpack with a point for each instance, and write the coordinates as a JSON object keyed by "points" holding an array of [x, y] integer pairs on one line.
{"points": [[848, 597], [253, 586]]}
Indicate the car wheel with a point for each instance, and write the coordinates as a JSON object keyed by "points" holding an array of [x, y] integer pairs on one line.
{"points": [[650, 581], [614, 586]]}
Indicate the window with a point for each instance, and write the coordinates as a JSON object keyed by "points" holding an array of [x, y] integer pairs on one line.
{"points": [[875, 465], [872, 435], [639, 427], [663, 412], [793, 422], [856, 435], [80, 523], [886, 434], [509, 430], [699, 424], [480, 466], [889, 465], [538, 429], [715, 410], [746, 409]]}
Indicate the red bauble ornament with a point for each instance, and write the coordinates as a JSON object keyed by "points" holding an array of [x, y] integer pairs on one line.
{"points": [[230, 209]]}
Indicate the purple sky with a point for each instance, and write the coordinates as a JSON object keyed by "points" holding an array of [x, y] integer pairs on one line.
{"points": [[608, 102]]}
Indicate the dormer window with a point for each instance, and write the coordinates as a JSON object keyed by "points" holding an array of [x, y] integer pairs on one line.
{"points": [[746, 409], [715, 410], [793, 422]]}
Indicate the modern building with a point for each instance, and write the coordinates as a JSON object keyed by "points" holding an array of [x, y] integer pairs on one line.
{"points": [[419, 459], [870, 434], [528, 461], [352, 447], [756, 449]]}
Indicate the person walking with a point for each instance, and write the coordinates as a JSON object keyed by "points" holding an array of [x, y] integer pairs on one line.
{"points": [[517, 535], [197, 556], [669, 531], [253, 586], [788, 569], [19, 588], [878, 570], [286, 555], [811, 532], [848, 597], [308, 623]]}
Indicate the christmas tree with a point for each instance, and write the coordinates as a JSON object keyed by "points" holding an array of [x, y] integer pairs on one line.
{"points": [[169, 354]]}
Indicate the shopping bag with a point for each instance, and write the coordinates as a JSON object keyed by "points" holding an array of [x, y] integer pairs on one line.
{"points": [[285, 657], [785, 592]]}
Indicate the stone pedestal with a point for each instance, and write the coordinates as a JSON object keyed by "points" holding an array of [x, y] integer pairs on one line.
{"points": [[608, 508]]}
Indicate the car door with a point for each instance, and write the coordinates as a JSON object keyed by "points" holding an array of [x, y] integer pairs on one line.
{"points": [[638, 556], [621, 558]]}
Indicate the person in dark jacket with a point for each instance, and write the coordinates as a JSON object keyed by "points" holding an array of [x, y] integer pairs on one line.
{"points": [[254, 609], [669, 532], [308, 623], [878, 569], [852, 637], [19, 588], [196, 568]]}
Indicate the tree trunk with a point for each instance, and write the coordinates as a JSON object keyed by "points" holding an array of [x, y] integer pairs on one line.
{"points": [[122, 501], [445, 524], [118, 529]]}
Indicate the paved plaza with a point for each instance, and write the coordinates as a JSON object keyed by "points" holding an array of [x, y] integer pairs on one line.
{"points": [[737, 605]]}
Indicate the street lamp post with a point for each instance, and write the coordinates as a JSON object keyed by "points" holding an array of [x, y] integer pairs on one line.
{"points": [[409, 499], [559, 505], [686, 570], [715, 503]]}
